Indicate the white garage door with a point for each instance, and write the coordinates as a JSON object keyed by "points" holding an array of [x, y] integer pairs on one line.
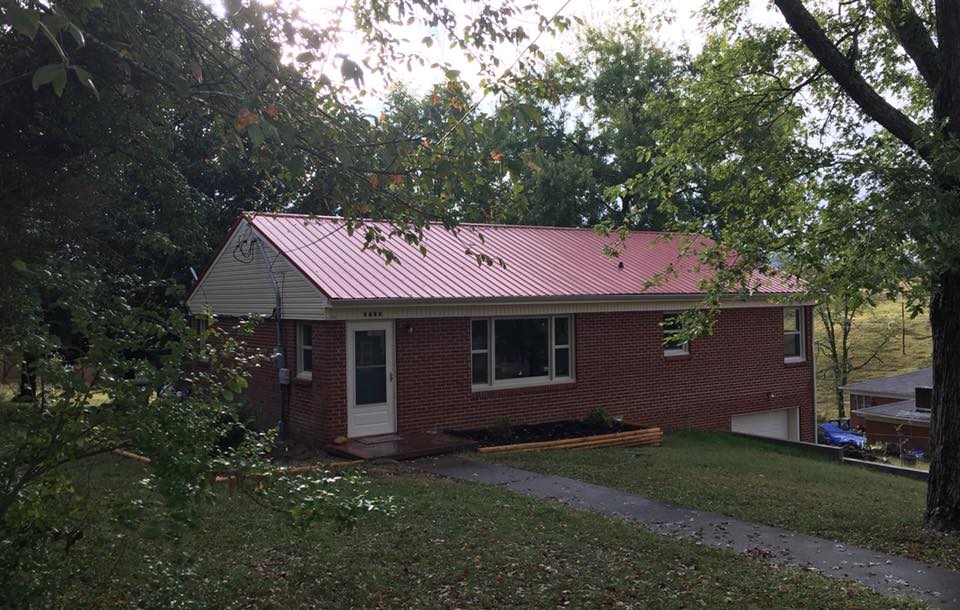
{"points": [[782, 423]]}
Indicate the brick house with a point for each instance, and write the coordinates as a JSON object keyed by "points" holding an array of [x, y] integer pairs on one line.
{"points": [[893, 409], [440, 342]]}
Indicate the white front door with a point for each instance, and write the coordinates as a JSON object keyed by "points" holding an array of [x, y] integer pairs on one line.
{"points": [[371, 404]]}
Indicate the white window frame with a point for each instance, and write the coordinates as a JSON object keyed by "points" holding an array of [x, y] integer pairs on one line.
{"points": [[801, 332], [203, 325], [302, 374], [672, 349], [859, 401], [554, 346], [488, 350], [493, 383]]}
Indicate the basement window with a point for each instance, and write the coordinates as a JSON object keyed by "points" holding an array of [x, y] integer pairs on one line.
{"points": [[304, 350], [793, 334], [509, 352]]}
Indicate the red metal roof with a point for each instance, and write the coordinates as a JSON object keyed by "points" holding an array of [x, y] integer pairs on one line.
{"points": [[540, 262]]}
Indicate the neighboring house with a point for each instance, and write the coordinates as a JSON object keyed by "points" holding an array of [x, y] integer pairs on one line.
{"points": [[440, 342], [894, 408]]}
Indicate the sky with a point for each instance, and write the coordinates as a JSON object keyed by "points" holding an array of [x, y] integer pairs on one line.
{"points": [[676, 24]]}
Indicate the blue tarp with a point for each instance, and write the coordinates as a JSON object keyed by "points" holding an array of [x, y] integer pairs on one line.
{"points": [[836, 435]]}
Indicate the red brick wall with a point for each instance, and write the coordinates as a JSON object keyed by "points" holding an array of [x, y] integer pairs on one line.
{"points": [[918, 437], [619, 365], [308, 420], [858, 422]]}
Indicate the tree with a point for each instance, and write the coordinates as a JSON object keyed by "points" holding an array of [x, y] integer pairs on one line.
{"points": [[844, 286], [602, 107], [936, 143], [564, 140], [131, 132], [869, 93]]}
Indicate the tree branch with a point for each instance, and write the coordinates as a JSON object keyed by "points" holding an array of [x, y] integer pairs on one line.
{"points": [[843, 71], [912, 34]]}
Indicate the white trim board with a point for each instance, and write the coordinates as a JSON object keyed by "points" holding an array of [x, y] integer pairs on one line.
{"points": [[373, 310]]}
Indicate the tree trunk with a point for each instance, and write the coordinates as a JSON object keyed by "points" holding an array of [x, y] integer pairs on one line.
{"points": [[28, 379], [943, 491]]}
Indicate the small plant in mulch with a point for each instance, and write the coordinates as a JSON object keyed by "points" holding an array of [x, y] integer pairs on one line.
{"points": [[534, 433], [599, 419], [501, 431]]}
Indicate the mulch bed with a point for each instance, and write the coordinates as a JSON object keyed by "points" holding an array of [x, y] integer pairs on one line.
{"points": [[535, 433]]}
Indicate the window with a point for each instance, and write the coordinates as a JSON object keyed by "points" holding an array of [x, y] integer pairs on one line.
{"points": [[858, 401], [561, 347], [370, 364], [521, 351], [521, 348], [793, 334], [304, 350], [671, 326], [480, 351], [202, 325]]}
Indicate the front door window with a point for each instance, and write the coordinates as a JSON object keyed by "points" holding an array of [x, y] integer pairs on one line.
{"points": [[370, 349]]}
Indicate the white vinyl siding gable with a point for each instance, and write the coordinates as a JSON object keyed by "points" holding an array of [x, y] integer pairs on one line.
{"points": [[231, 287]]}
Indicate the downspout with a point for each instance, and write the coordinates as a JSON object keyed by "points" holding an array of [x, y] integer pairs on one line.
{"points": [[813, 359], [280, 356]]}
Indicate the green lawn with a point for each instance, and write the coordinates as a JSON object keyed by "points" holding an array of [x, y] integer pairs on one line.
{"points": [[449, 545], [867, 332], [766, 483]]}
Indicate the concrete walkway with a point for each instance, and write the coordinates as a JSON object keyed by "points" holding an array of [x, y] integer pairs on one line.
{"points": [[888, 574]]}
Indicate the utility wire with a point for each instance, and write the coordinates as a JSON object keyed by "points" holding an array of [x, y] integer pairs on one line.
{"points": [[505, 72]]}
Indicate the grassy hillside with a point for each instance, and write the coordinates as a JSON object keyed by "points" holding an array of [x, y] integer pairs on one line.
{"points": [[868, 332], [447, 544]]}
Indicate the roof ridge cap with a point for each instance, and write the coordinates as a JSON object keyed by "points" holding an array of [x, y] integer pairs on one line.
{"points": [[493, 225]]}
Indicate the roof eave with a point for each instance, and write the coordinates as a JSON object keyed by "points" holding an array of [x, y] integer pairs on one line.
{"points": [[693, 298], [891, 419]]}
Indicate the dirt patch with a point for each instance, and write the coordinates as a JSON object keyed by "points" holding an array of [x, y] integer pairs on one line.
{"points": [[535, 433]]}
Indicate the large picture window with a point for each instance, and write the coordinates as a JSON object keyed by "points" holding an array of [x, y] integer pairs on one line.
{"points": [[793, 334], [520, 351]]}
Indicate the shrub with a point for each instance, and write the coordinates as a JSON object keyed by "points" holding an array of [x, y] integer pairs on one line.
{"points": [[501, 430], [599, 418]]}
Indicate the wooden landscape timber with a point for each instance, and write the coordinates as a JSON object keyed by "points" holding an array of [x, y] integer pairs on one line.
{"points": [[630, 438]]}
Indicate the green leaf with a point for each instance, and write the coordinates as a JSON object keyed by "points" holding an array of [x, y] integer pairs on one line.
{"points": [[19, 265], [59, 81], [23, 20], [47, 74], [296, 167], [306, 56], [287, 133], [77, 34], [531, 112], [53, 40], [55, 21], [428, 41], [86, 80], [256, 134]]}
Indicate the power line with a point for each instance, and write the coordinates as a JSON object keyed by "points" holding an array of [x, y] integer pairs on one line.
{"points": [[505, 72]]}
